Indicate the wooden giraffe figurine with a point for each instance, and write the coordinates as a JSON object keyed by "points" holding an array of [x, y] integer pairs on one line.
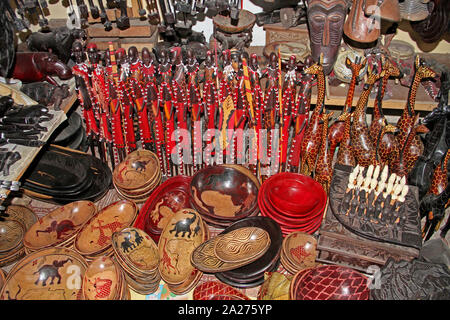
{"points": [[385, 144], [378, 119], [345, 154], [363, 148], [406, 121], [439, 185], [336, 131], [324, 168], [404, 161], [440, 181], [312, 138]]}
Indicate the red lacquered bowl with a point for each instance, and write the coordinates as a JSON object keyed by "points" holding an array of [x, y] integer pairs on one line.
{"points": [[294, 194], [331, 282], [168, 198]]}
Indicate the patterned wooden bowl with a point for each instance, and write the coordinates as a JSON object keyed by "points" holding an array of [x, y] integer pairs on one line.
{"points": [[102, 280], [330, 282]]}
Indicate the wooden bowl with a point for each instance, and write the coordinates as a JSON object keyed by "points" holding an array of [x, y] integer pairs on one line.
{"points": [[48, 274], [137, 170], [59, 225], [95, 235], [137, 249], [11, 235], [168, 198], [265, 262], [183, 233], [299, 248], [102, 280], [23, 214], [224, 192], [245, 22], [244, 244], [332, 282], [294, 193], [209, 290]]}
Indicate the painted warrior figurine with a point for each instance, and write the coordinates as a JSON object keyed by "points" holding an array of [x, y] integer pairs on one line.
{"points": [[101, 93], [166, 99], [226, 77], [126, 99], [84, 92], [255, 75]]}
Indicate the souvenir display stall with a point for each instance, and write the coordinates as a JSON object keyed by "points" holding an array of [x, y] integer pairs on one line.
{"points": [[141, 160]]}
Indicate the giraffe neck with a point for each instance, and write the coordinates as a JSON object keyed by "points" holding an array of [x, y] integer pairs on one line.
{"points": [[380, 136], [444, 165], [412, 95], [360, 115], [320, 93], [377, 107], [351, 91]]}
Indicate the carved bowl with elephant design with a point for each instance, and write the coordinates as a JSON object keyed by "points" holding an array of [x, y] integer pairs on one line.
{"points": [[47, 274], [60, 226], [137, 171], [224, 193], [184, 232]]}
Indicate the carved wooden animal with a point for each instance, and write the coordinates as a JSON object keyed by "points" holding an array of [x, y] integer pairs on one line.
{"points": [[312, 138], [385, 144], [336, 130], [324, 168], [404, 162], [362, 145], [345, 154], [390, 70], [407, 119]]}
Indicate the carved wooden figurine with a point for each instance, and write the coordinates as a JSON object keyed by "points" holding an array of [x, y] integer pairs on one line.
{"points": [[324, 169]]}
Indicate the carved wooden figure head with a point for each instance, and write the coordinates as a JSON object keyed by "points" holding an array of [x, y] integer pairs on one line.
{"points": [[325, 24]]}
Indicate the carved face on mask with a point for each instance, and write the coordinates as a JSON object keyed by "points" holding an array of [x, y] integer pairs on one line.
{"points": [[325, 24]]}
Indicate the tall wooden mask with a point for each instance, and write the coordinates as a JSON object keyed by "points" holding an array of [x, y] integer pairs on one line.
{"points": [[325, 25]]}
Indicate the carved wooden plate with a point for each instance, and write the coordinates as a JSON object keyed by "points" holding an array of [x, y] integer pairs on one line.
{"points": [[102, 280], [137, 170], [95, 236], [224, 192], [136, 248], [59, 225], [11, 235], [183, 233], [245, 244], [49, 274]]}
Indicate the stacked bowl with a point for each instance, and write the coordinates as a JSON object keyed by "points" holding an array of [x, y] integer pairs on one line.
{"points": [[60, 227], [295, 201], [298, 252], [137, 175], [169, 197], [184, 232], [138, 256], [104, 280], [224, 194], [245, 268], [95, 237], [11, 241], [329, 282], [48, 274], [18, 219]]}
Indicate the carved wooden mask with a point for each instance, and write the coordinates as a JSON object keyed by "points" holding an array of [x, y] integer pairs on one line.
{"points": [[325, 25]]}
